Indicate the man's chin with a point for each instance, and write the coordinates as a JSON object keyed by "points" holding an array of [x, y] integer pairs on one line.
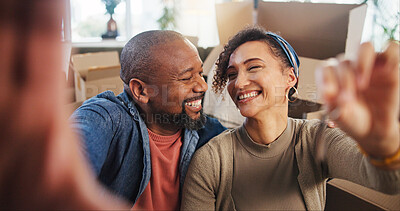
{"points": [[185, 121], [196, 116], [194, 123]]}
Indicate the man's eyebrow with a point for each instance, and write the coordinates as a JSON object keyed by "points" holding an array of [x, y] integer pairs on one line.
{"points": [[186, 70], [189, 70]]}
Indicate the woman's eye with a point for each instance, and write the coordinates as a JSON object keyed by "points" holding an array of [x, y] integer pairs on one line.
{"points": [[231, 76], [254, 67]]}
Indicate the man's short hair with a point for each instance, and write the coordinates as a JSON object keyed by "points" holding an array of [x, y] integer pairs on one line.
{"points": [[138, 58]]}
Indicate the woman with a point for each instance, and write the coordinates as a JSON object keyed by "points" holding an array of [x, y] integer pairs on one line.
{"points": [[270, 161]]}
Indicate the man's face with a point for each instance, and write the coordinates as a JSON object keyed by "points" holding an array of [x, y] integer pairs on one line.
{"points": [[179, 87]]}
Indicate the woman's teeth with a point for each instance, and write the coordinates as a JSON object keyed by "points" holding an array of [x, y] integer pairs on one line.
{"points": [[251, 94], [195, 103]]}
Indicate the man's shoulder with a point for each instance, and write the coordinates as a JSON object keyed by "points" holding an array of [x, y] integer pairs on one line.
{"points": [[107, 98], [211, 129], [103, 102], [212, 122]]}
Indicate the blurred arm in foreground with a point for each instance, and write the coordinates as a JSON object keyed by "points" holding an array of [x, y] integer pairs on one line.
{"points": [[41, 166]]}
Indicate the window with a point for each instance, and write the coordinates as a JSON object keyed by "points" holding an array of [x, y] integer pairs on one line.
{"points": [[89, 20], [197, 18]]}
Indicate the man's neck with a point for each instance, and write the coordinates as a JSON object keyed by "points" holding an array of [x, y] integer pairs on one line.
{"points": [[163, 129]]}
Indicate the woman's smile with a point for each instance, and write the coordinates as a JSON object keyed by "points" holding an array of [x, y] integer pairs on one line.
{"points": [[244, 97]]}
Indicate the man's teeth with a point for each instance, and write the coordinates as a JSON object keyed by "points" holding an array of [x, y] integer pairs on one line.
{"points": [[244, 96], [195, 103]]}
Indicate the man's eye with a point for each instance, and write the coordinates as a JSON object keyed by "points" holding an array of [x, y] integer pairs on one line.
{"points": [[186, 79]]}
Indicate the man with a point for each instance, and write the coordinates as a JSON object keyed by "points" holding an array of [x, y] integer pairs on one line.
{"points": [[141, 142]]}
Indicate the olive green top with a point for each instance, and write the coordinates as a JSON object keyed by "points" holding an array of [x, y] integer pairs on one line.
{"points": [[208, 183], [265, 174]]}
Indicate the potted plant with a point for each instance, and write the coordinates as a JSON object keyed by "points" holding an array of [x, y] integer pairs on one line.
{"points": [[112, 30], [167, 20]]}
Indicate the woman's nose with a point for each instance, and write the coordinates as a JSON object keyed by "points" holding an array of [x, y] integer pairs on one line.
{"points": [[241, 80]]}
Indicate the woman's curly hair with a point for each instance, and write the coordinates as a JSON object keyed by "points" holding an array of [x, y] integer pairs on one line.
{"points": [[253, 33]]}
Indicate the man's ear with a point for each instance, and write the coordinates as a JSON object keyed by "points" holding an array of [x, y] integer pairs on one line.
{"points": [[139, 90]]}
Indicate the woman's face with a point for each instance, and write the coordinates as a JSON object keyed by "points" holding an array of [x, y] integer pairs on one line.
{"points": [[256, 80]]}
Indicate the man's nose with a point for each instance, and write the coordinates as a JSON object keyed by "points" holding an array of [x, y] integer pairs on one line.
{"points": [[201, 84]]}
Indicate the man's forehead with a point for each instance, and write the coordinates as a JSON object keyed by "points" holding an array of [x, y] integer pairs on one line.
{"points": [[179, 55], [177, 45]]}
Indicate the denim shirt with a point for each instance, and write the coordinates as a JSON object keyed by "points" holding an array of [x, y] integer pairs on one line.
{"points": [[116, 143]]}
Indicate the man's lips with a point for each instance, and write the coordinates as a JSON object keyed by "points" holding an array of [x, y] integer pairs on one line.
{"points": [[194, 104]]}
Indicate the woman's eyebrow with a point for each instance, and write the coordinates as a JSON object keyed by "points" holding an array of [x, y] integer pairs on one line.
{"points": [[247, 61], [253, 59]]}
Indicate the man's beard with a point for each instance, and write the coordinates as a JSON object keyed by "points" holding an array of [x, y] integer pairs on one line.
{"points": [[185, 121]]}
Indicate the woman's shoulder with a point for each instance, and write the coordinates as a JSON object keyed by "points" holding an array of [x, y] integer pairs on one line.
{"points": [[221, 143], [309, 128], [308, 122], [223, 138], [304, 124]]}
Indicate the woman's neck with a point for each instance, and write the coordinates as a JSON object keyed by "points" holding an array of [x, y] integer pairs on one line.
{"points": [[266, 127]]}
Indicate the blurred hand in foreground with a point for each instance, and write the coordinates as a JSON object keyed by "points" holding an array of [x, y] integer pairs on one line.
{"points": [[363, 97], [41, 164]]}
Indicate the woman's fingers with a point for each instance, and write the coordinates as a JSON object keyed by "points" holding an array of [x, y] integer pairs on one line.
{"points": [[346, 81], [364, 64], [337, 84], [353, 116], [327, 82], [386, 65], [391, 53]]}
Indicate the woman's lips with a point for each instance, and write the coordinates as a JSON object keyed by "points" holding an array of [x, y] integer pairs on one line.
{"points": [[244, 97]]}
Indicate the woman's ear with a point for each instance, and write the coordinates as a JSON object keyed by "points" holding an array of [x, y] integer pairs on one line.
{"points": [[291, 77], [139, 90]]}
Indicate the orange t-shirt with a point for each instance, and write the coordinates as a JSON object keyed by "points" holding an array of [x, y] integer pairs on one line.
{"points": [[162, 191]]}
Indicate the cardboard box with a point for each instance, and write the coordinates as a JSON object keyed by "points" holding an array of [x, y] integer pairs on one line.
{"points": [[96, 73], [316, 32], [378, 199], [232, 17]]}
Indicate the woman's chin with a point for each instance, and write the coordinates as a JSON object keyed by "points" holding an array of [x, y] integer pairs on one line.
{"points": [[247, 112]]}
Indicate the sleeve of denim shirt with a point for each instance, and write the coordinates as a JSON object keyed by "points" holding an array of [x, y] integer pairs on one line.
{"points": [[96, 123]]}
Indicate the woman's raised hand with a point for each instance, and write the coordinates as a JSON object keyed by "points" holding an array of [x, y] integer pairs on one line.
{"points": [[363, 97]]}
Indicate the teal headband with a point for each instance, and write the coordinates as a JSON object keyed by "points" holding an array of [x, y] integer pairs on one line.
{"points": [[289, 51]]}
